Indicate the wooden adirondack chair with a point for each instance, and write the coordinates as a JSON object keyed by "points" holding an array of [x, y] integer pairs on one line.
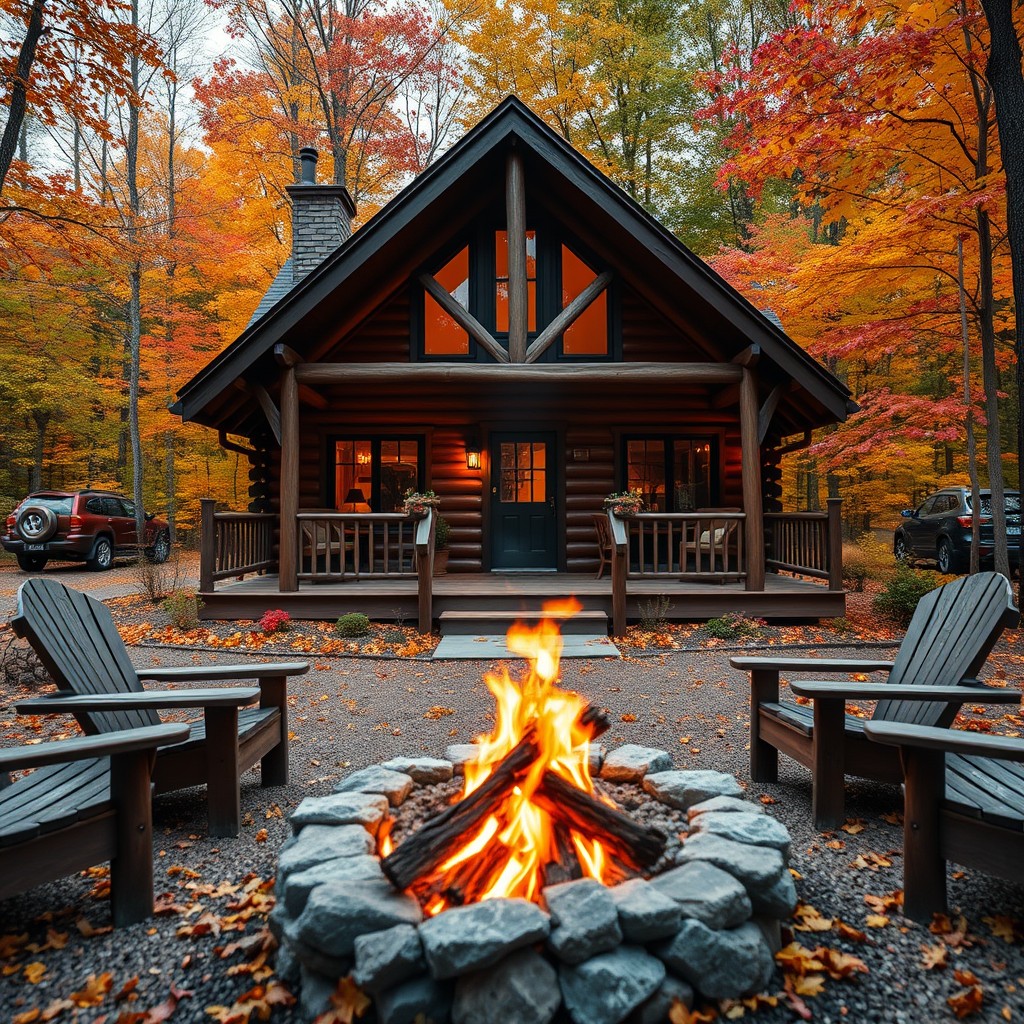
{"points": [[88, 801], [963, 802], [949, 637], [78, 643]]}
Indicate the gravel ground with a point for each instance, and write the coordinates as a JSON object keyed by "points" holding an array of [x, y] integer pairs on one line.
{"points": [[350, 713]]}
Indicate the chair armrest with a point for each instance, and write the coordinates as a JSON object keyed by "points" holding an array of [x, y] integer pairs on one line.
{"points": [[207, 673], [953, 741], [821, 689], [150, 700], [82, 747], [747, 663]]}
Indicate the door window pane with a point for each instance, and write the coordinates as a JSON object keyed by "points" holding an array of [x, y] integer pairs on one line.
{"points": [[672, 474], [523, 472], [691, 475], [353, 483], [442, 335], [645, 461], [399, 472], [588, 335]]}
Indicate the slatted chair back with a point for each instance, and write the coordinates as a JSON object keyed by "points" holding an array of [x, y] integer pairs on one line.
{"points": [[78, 644], [951, 634]]}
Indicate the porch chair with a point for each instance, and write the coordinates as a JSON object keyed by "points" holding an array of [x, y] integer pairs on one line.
{"points": [[78, 644], [88, 801], [604, 541], [949, 637], [963, 802], [714, 544]]}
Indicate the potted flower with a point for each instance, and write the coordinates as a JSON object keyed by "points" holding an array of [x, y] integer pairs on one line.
{"points": [[416, 503], [442, 532], [625, 503]]}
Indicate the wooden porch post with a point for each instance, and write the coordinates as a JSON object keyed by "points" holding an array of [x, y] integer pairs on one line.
{"points": [[752, 501], [835, 544], [620, 567], [515, 213], [207, 544], [287, 558]]}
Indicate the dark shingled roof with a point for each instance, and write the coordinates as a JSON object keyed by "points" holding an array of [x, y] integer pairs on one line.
{"points": [[279, 288]]}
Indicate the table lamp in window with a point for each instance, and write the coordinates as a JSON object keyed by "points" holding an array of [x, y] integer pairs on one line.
{"points": [[355, 501]]}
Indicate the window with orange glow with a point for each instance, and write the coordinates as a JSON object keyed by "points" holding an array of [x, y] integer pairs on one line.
{"points": [[442, 334], [501, 281], [588, 334], [523, 472]]}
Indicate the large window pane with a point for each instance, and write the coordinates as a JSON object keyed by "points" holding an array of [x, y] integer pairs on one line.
{"points": [[691, 475], [399, 471], [523, 472], [501, 281], [646, 472], [673, 474], [588, 335], [442, 335], [373, 474]]}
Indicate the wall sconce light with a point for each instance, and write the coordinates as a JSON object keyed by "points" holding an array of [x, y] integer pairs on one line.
{"points": [[472, 451]]}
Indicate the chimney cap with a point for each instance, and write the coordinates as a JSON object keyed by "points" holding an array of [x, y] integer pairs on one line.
{"points": [[308, 157]]}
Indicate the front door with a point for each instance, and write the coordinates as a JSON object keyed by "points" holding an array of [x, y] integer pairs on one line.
{"points": [[523, 488]]}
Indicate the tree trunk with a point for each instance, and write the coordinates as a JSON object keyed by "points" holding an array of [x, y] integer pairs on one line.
{"points": [[18, 104], [35, 473], [972, 453], [1003, 72]]}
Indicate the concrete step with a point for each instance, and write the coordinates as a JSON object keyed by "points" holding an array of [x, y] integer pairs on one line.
{"points": [[492, 623]]}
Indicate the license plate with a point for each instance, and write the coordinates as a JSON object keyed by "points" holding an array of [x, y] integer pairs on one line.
{"points": [[1013, 531], [35, 547]]}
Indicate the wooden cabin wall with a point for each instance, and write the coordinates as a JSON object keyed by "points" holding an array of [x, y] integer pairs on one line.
{"points": [[586, 419]]}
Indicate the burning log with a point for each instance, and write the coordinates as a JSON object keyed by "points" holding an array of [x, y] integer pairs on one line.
{"points": [[567, 867], [577, 809], [421, 852], [596, 719]]}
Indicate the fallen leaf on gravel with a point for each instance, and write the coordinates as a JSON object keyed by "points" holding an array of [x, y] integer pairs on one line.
{"points": [[128, 990], [166, 1009], [847, 931], [35, 972], [966, 978], [10, 945], [876, 920], [882, 904], [1003, 927], [853, 827], [967, 1002], [348, 1001], [840, 965], [934, 956], [28, 1016], [893, 818], [795, 1003], [628, 717], [95, 990], [870, 860], [261, 836], [680, 1014], [811, 920], [438, 711], [766, 799], [206, 924]]}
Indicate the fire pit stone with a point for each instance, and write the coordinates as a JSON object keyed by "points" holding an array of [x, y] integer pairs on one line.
{"points": [[396, 786], [645, 914], [584, 917], [522, 989], [318, 843], [724, 963], [466, 939], [461, 753], [384, 959], [424, 771], [683, 789], [706, 893], [366, 809], [723, 805], [604, 989], [753, 829], [630, 763], [296, 888], [420, 998], [657, 1009]]}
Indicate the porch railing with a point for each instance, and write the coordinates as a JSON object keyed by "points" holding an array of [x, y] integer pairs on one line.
{"points": [[806, 543], [686, 545], [233, 543]]}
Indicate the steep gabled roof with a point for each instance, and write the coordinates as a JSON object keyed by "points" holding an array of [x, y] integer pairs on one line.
{"points": [[369, 266]]}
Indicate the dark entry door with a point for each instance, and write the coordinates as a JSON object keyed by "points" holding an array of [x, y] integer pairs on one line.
{"points": [[523, 488]]}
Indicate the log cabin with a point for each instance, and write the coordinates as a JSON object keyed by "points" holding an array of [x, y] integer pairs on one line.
{"points": [[515, 334]]}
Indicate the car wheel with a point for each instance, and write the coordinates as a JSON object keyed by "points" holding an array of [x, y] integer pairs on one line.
{"points": [[900, 549], [36, 524], [947, 559], [32, 563], [160, 551], [102, 556]]}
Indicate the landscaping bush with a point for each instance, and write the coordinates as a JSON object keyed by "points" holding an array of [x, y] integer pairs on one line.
{"points": [[733, 626], [442, 534], [182, 608], [352, 624], [654, 614], [868, 559], [275, 621], [156, 581], [904, 588]]}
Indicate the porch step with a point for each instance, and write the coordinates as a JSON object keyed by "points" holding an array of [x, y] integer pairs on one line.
{"points": [[496, 623]]}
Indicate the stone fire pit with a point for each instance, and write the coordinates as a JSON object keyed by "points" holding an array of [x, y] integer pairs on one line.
{"points": [[705, 925]]}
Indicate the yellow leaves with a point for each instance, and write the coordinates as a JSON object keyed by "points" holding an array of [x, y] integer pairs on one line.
{"points": [[1003, 927], [811, 920], [94, 991], [934, 956], [261, 836], [628, 717], [679, 1014], [438, 711], [256, 1004], [968, 1002], [876, 920], [872, 861], [347, 1003], [854, 827], [883, 904], [34, 972]]}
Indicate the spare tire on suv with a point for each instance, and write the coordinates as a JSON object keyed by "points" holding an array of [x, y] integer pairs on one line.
{"points": [[36, 523]]}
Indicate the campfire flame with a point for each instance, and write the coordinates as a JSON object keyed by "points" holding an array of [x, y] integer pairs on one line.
{"points": [[510, 853]]}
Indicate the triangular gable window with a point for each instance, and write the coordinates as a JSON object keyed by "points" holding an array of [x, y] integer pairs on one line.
{"points": [[442, 335]]}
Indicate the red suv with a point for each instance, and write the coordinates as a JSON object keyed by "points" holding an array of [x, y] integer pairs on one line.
{"points": [[81, 526]]}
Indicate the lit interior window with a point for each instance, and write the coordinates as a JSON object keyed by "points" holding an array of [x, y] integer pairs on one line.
{"points": [[588, 335], [501, 281], [442, 335]]}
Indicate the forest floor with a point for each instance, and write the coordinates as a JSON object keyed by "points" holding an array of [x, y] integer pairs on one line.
{"points": [[206, 955]]}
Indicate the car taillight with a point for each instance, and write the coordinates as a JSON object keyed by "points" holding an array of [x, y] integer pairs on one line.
{"points": [[76, 522], [967, 521]]}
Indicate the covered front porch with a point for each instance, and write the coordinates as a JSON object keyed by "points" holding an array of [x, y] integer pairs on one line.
{"points": [[680, 567]]}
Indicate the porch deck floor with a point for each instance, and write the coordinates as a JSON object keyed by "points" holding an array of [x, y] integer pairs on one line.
{"points": [[783, 596]]}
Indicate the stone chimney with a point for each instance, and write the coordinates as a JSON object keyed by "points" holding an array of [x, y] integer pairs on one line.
{"points": [[321, 217]]}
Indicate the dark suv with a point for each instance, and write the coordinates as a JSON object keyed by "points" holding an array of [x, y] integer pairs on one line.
{"points": [[940, 529], [81, 526]]}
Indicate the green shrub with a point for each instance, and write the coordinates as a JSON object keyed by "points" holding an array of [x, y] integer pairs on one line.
{"points": [[732, 626], [182, 608], [904, 588], [442, 534], [352, 624], [868, 559]]}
